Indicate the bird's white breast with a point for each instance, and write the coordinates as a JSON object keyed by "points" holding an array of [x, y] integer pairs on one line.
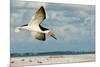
{"points": [[35, 28]]}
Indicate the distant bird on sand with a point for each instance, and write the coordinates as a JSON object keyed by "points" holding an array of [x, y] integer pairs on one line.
{"points": [[34, 26]]}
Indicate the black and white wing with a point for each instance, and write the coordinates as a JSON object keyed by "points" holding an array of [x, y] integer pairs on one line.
{"points": [[38, 17], [39, 35]]}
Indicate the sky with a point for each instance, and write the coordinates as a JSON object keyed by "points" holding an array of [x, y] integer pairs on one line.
{"points": [[73, 25]]}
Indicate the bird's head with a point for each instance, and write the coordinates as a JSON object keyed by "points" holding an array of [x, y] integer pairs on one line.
{"points": [[51, 34]]}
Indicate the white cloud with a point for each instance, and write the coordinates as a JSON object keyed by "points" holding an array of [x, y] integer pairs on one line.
{"points": [[72, 32]]}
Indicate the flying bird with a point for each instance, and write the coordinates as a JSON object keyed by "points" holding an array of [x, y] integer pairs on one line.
{"points": [[35, 27]]}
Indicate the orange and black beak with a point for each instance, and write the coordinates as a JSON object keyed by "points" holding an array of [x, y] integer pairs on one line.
{"points": [[53, 36]]}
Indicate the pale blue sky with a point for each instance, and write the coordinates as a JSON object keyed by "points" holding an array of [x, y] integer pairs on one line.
{"points": [[73, 25]]}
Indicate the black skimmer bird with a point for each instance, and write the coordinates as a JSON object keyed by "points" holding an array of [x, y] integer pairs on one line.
{"points": [[34, 26]]}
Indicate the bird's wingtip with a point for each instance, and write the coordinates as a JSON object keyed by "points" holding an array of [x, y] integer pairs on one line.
{"points": [[42, 7]]}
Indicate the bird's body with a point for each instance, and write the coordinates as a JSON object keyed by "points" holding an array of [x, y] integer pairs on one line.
{"points": [[35, 27]]}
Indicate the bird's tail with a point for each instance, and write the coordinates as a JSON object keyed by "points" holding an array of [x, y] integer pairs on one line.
{"points": [[17, 29]]}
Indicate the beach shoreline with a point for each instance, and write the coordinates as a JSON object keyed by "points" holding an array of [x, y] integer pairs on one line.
{"points": [[41, 60]]}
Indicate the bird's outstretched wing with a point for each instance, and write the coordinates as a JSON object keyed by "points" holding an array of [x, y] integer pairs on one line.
{"points": [[39, 35], [38, 17]]}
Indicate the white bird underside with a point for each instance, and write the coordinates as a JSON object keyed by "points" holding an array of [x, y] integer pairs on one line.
{"points": [[34, 25]]}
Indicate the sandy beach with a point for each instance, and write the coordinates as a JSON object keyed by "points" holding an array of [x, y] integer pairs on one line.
{"points": [[37, 60]]}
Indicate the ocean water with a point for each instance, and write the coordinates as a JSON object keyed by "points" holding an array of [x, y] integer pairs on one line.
{"points": [[49, 54]]}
